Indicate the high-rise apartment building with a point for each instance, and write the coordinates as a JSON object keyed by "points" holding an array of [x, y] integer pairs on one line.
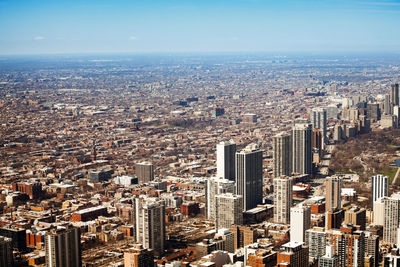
{"points": [[6, 252], [63, 247], [226, 160], [349, 245], [138, 256], [282, 144], [315, 240], [380, 187], [150, 223], [318, 120], [249, 176], [333, 193], [216, 186], [144, 172], [229, 210], [302, 148], [300, 218], [283, 198], [391, 218]]}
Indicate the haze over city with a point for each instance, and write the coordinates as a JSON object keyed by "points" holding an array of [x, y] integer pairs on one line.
{"points": [[104, 26]]}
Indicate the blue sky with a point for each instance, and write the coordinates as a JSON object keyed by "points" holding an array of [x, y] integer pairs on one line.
{"points": [[117, 26]]}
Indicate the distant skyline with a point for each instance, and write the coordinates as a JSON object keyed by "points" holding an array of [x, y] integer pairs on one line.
{"points": [[140, 26]]}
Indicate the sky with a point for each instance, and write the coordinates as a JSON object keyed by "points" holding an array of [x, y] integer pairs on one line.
{"points": [[147, 26]]}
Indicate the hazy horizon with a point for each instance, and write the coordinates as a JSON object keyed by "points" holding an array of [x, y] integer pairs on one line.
{"points": [[177, 26]]}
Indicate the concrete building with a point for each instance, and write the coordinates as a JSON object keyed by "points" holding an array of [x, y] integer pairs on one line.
{"points": [[391, 218], [249, 176], [6, 252], [144, 172], [299, 222], [282, 144], [315, 240], [226, 160], [150, 224], [283, 199], [229, 210], [63, 247], [333, 193], [216, 186], [139, 257], [379, 212], [302, 148]]}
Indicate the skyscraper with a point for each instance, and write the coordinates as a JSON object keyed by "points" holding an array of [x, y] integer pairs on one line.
{"points": [[380, 187], [301, 148], [144, 172], [226, 160], [63, 247], [283, 198], [216, 186], [229, 210], [394, 95], [249, 176], [318, 120], [282, 144], [387, 105], [150, 223], [333, 193], [391, 220], [300, 218]]}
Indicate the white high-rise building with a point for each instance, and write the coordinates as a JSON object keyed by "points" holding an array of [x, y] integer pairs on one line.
{"points": [[300, 218], [379, 212], [63, 247], [282, 144], [302, 148], [229, 210], [150, 223], [283, 198], [249, 176], [391, 218], [380, 187], [226, 151], [216, 186]]}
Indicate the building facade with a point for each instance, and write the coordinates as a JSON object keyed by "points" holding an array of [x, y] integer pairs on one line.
{"points": [[249, 176]]}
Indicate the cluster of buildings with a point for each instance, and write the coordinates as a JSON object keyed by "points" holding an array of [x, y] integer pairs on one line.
{"points": [[227, 174]]}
